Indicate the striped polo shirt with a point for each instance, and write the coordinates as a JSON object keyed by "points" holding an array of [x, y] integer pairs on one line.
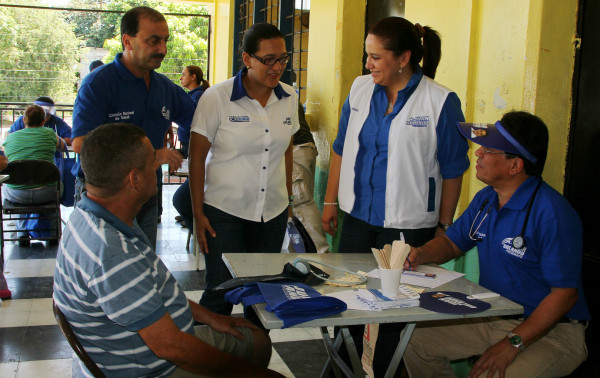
{"points": [[109, 283]]}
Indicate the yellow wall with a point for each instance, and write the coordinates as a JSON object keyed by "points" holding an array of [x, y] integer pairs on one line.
{"points": [[507, 55], [334, 61], [221, 38]]}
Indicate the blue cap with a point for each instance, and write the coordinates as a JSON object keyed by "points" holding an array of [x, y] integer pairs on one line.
{"points": [[494, 136]]}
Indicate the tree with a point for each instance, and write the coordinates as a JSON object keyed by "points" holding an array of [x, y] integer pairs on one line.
{"points": [[188, 43], [39, 55]]}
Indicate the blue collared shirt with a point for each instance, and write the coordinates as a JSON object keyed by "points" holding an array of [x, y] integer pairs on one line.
{"points": [[111, 93], [552, 256], [372, 158]]}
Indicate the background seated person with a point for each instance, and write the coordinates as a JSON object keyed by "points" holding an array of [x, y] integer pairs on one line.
{"points": [[529, 241], [125, 306], [51, 121], [32, 142]]}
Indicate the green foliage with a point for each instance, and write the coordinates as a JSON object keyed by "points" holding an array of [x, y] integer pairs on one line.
{"points": [[39, 55], [40, 50]]}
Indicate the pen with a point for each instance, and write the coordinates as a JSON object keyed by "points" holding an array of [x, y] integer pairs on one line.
{"points": [[420, 274]]}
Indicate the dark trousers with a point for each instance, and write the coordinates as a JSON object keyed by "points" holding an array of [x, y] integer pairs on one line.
{"points": [[182, 201], [235, 235], [359, 237]]}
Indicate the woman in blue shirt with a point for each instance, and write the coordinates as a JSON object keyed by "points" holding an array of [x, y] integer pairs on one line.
{"points": [[398, 158]]}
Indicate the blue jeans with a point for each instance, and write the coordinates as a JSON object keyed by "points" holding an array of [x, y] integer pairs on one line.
{"points": [[235, 235], [359, 237], [182, 201], [29, 197]]}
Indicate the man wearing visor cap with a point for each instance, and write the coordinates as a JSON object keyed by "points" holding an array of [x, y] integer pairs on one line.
{"points": [[529, 243], [53, 122]]}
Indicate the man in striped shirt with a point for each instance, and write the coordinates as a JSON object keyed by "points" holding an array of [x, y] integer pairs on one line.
{"points": [[125, 307]]}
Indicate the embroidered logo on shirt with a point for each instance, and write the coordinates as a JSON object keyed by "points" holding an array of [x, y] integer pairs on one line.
{"points": [[119, 116], [239, 118], [418, 121], [166, 113], [507, 245], [288, 121], [354, 109]]}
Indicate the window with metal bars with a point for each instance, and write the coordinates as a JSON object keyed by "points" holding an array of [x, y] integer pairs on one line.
{"points": [[292, 18]]}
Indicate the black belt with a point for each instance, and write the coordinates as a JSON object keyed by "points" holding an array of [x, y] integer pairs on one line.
{"points": [[564, 319]]}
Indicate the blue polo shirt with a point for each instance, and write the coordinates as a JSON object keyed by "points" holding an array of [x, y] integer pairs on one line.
{"points": [[55, 123], [551, 257], [183, 134], [372, 158], [196, 93], [111, 94]]}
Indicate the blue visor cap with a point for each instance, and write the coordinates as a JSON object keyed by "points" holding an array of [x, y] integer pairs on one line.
{"points": [[48, 108], [494, 136]]}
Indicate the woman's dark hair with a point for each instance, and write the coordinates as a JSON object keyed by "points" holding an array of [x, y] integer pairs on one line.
{"points": [[531, 132], [34, 116], [257, 33], [399, 35], [195, 70]]}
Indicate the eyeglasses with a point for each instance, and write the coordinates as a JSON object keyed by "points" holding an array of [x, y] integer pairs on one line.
{"points": [[488, 151], [271, 61]]}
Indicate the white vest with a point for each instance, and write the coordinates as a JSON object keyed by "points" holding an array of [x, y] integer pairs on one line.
{"points": [[413, 180]]}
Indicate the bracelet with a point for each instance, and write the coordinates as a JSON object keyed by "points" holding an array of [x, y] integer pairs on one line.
{"points": [[291, 204], [330, 203]]}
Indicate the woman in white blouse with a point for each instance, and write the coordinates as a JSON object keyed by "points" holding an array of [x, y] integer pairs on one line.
{"points": [[241, 159]]}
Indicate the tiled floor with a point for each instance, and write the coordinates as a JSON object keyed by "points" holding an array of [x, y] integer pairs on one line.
{"points": [[31, 344]]}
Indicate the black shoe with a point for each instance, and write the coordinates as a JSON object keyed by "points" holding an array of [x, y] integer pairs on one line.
{"points": [[24, 242], [178, 218]]}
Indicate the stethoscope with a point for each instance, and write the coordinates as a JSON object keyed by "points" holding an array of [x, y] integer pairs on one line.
{"points": [[518, 242]]}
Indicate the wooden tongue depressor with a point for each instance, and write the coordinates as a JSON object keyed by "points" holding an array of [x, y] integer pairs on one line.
{"points": [[378, 257], [387, 253], [400, 251]]}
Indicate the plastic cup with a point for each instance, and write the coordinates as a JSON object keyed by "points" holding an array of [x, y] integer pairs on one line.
{"points": [[390, 282]]}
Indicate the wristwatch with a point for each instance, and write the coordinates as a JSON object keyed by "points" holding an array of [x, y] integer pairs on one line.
{"points": [[444, 226], [515, 340]]}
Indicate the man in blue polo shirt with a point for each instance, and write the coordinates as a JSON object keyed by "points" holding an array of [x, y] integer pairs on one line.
{"points": [[129, 90], [529, 241], [53, 122]]}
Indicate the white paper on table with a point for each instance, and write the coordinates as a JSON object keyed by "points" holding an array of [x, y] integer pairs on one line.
{"points": [[442, 276]]}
